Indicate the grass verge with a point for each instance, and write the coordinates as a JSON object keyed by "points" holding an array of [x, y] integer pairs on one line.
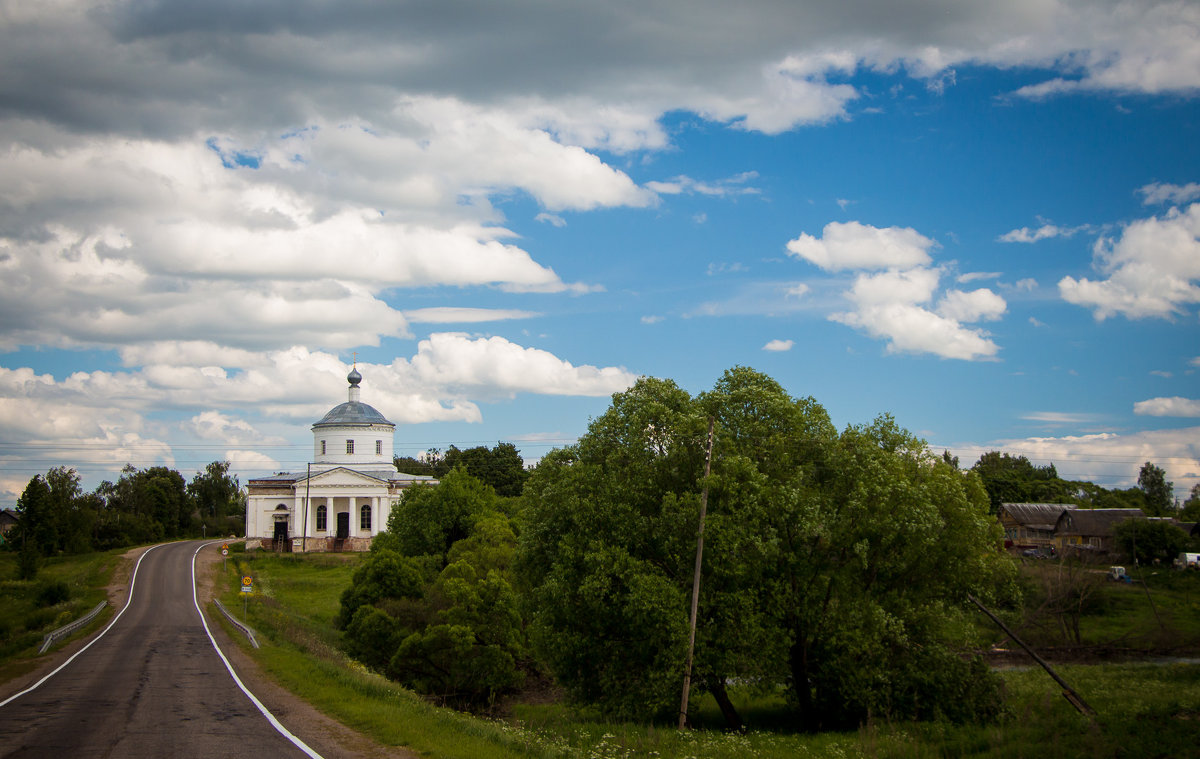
{"points": [[1144, 710], [65, 589]]}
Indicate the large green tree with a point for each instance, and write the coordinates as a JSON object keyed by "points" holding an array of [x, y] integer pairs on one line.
{"points": [[835, 564]]}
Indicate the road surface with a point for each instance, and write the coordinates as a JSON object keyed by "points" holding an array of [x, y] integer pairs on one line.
{"points": [[152, 685]]}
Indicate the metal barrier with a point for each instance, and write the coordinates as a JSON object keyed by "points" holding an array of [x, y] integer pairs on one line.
{"points": [[236, 623], [68, 629]]}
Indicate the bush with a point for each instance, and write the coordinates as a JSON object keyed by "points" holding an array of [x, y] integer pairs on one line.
{"points": [[53, 593]]}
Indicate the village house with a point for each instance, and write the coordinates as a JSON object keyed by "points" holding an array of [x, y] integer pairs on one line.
{"points": [[344, 497], [1030, 525], [1090, 529]]}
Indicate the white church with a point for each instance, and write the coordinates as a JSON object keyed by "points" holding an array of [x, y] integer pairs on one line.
{"points": [[343, 498]]}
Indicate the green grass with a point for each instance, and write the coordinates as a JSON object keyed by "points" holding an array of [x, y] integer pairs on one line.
{"points": [[1143, 710], [25, 618]]}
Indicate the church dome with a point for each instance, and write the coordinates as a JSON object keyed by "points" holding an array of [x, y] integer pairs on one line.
{"points": [[352, 412]]}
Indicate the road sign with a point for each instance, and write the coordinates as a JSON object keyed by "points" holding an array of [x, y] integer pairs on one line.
{"points": [[247, 584], [224, 550]]}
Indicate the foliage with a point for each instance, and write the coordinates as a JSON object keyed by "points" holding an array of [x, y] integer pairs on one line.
{"points": [[429, 520], [501, 467], [56, 517], [1152, 481], [1191, 507], [1014, 479], [1149, 540], [829, 560], [433, 605]]}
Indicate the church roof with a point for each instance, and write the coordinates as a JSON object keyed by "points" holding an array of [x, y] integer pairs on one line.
{"points": [[352, 412]]}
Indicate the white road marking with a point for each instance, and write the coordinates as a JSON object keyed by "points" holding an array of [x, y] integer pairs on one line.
{"points": [[265, 712], [128, 603]]}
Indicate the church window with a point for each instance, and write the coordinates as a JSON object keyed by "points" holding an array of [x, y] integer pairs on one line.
{"points": [[378, 447], [322, 518], [349, 446], [364, 521], [322, 447]]}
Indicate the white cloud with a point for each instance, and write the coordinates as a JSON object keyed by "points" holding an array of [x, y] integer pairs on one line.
{"points": [[852, 245], [1044, 232], [975, 276], [251, 461], [99, 421], [463, 315], [1059, 417], [1173, 406], [1114, 459], [897, 305], [1152, 269], [977, 305], [1169, 193], [213, 425], [652, 319], [778, 346], [685, 185], [552, 219]]}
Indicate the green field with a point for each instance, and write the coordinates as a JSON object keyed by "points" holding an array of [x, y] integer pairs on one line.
{"points": [[1144, 710]]}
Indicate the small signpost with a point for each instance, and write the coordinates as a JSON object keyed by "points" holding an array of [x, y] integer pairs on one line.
{"points": [[224, 553], [247, 589]]}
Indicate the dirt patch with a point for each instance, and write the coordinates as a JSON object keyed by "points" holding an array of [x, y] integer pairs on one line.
{"points": [[324, 734]]}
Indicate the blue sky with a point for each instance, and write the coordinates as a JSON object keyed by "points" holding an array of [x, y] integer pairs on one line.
{"points": [[985, 223]]}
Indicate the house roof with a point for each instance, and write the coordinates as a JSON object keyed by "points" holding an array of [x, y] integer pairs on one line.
{"points": [[1095, 522], [1040, 515]]}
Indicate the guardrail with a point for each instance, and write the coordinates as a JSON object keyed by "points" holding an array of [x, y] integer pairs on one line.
{"points": [[72, 627], [237, 623]]}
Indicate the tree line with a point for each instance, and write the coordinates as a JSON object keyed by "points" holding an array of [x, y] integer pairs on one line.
{"points": [[56, 516]]}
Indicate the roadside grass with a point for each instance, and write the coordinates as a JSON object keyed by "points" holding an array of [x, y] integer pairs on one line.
{"points": [[1144, 710], [66, 588]]}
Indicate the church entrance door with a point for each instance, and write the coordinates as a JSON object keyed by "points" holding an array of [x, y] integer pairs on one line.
{"points": [[281, 531], [343, 525]]}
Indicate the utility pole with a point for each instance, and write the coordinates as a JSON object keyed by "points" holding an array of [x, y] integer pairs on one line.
{"points": [[304, 529], [687, 672]]}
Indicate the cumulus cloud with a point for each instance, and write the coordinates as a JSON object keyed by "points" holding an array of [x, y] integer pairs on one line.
{"points": [[852, 245], [99, 421], [1173, 406], [899, 304], [778, 346], [1152, 269]]}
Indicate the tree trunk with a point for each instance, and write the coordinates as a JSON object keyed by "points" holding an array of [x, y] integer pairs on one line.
{"points": [[717, 688], [798, 659]]}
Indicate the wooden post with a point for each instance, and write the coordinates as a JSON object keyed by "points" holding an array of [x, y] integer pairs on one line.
{"points": [[1068, 692], [687, 672]]}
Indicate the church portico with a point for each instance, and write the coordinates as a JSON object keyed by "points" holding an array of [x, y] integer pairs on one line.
{"points": [[344, 497]]}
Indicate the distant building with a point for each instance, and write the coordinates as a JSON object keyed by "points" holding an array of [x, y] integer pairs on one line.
{"points": [[8, 520], [1091, 529], [344, 497], [1030, 525]]}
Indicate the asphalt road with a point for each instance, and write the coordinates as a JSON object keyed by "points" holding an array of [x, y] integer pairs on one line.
{"points": [[152, 686]]}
